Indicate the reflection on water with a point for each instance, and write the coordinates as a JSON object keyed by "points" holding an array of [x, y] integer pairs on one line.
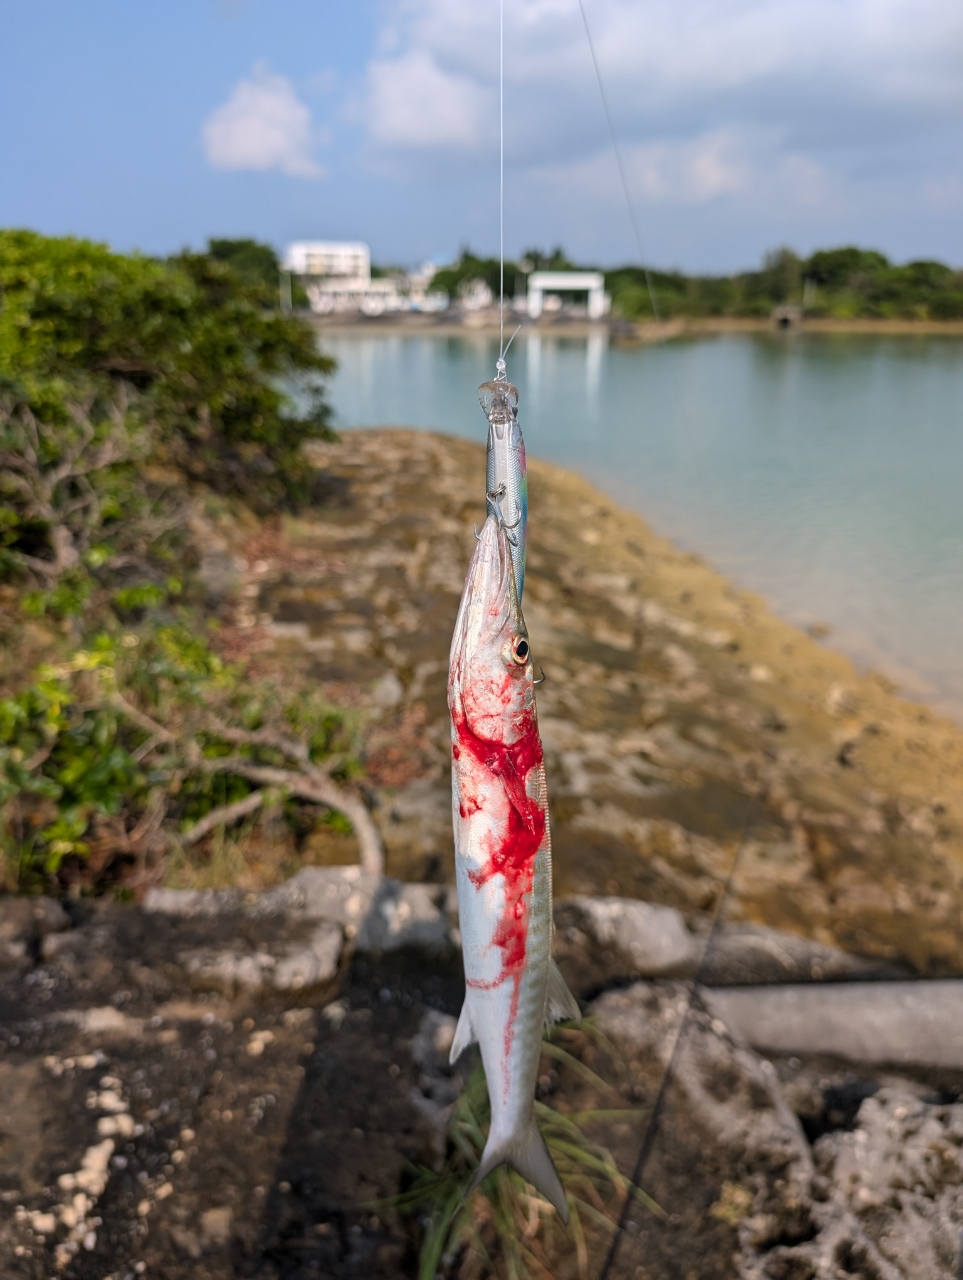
{"points": [[822, 471]]}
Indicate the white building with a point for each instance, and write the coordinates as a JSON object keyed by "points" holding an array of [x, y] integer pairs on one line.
{"points": [[544, 288], [370, 297], [338, 279], [343, 259]]}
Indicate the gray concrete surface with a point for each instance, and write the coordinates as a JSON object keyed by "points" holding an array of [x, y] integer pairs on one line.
{"points": [[872, 1022]]}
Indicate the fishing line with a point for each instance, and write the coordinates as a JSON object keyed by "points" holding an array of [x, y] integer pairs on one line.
{"points": [[501, 180], [648, 1138], [618, 161]]}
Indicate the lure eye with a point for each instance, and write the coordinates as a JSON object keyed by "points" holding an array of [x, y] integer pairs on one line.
{"points": [[520, 650]]}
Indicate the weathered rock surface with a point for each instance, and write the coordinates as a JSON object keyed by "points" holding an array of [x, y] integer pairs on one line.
{"points": [[220, 1092], [599, 941], [751, 953], [878, 1195], [295, 966], [603, 941], [377, 914], [886, 1198]]}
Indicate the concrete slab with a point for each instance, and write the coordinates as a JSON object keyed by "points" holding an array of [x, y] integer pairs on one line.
{"points": [[872, 1022]]}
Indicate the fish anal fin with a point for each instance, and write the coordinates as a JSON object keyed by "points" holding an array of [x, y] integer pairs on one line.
{"points": [[530, 1157], [560, 1005], [464, 1035]]}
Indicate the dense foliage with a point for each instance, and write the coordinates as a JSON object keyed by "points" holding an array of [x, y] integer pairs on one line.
{"points": [[841, 283], [145, 730], [198, 343], [257, 263], [456, 278], [129, 389]]}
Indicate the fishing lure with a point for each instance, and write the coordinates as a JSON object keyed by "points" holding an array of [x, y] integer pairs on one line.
{"points": [[503, 852], [506, 477]]}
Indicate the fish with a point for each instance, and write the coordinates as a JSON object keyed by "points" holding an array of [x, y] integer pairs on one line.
{"points": [[503, 861], [506, 475]]}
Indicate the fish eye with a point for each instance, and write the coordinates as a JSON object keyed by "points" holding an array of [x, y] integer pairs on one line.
{"points": [[520, 650]]}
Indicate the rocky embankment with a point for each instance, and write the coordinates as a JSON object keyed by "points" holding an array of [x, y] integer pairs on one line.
{"points": [[230, 1082], [679, 717]]}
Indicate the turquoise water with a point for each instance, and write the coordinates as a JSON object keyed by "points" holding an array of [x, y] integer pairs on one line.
{"points": [[822, 471]]}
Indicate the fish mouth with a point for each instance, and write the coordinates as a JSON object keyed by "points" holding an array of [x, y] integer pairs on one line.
{"points": [[489, 601]]}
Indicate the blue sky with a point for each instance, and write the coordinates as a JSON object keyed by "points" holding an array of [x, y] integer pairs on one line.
{"points": [[745, 124]]}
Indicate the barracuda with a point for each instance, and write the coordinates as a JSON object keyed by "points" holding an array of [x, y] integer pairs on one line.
{"points": [[503, 860]]}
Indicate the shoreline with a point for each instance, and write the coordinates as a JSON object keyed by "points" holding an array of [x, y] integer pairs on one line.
{"points": [[677, 706], [486, 324]]}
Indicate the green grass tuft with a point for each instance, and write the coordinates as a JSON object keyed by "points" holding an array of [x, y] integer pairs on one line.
{"points": [[507, 1229]]}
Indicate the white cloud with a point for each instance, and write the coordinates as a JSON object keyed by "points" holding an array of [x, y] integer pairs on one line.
{"points": [[718, 165], [743, 122], [412, 102], [823, 73], [692, 172], [262, 126]]}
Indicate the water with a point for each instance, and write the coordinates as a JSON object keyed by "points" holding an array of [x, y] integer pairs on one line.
{"points": [[822, 471]]}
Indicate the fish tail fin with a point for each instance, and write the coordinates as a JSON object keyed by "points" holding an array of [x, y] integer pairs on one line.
{"points": [[530, 1157]]}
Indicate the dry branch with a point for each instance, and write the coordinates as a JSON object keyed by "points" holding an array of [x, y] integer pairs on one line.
{"points": [[224, 815], [319, 790], [309, 781]]}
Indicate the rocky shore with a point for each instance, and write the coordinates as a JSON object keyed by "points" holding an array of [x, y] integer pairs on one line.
{"points": [[681, 720], [234, 1084], [231, 1081]]}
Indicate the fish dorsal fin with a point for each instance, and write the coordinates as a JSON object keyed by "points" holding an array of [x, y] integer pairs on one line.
{"points": [[464, 1035], [561, 1005]]}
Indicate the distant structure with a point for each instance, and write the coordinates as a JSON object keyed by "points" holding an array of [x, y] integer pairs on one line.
{"points": [[544, 288], [337, 278], [338, 258]]}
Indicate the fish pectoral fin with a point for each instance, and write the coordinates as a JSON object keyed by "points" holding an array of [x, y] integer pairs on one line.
{"points": [[464, 1035], [561, 1005], [529, 1155]]}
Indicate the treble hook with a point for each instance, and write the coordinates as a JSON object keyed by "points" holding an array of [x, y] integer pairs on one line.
{"points": [[542, 678], [493, 496], [477, 534]]}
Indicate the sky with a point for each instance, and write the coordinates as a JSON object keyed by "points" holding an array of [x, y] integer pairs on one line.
{"points": [[744, 125]]}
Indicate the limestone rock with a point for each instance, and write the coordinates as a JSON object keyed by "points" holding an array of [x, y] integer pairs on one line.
{"points": [[600, 940], [743, 953], [729, 1152], [289, 967], [343, 894], [380, 914], [406, 915], [191, 902], [890, 1196]]}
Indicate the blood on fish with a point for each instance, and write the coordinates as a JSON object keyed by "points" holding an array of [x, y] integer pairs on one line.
{"points": [[514, 856]]}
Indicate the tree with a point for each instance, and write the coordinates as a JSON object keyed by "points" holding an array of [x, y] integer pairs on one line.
{"points": [[233, 387], [256, 263]]}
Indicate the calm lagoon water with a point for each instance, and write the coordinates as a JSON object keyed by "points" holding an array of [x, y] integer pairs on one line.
{"points": [[824, 472]]}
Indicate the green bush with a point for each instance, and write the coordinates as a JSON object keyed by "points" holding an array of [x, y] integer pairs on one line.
{"points": [[230, 386], [128, 733]]}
